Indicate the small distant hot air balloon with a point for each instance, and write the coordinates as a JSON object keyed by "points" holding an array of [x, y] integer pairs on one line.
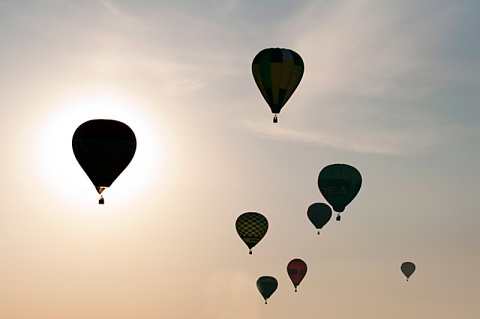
{"points": [[296, 269], [407, 269], [339, 184], [277, 73], [267, 286], [103, 148], [319, 214], [251, 227]]}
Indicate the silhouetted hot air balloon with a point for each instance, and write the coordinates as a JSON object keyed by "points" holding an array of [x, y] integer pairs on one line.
{"points": [[267, 286], [296, 269], [319, 214], [104, 148], [407, 268], [339, 184], [251, 227], [277, 73]]}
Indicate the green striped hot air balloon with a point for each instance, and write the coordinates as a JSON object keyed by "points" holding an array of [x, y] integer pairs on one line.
{"points": [[277, 73], [251, 227], [339, 184], [267, 285]]}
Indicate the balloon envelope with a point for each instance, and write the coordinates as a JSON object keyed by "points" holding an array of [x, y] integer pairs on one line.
{"points": [[267, 286], [407, 269], [103, 148], [277, 73], [251, 227], [296, 269], [339, 184], [319, 214]]}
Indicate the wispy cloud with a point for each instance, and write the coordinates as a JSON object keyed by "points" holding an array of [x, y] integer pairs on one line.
{"points": [[372, 66], [365, 46], [371, 69], [400, 142], [111, 7], [119, 15], [237, 296]]}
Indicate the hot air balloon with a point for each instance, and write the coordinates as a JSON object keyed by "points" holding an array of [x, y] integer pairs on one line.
{"points": [[251, 227], [277, 73], [339, 184], [267, 286], [103, 148], [407, 268], [296, 269], [319, 214]]}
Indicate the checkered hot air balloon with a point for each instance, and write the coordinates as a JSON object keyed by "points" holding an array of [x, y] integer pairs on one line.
{"points": [[251, 227], [277, 73]]}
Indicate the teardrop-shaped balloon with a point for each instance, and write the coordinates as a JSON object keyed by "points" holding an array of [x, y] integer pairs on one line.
{"points": [[407, 268], [339, 184], [103, 148], [251, 227], [277, 73], [319, 214], [296, 269], [267, 285]]}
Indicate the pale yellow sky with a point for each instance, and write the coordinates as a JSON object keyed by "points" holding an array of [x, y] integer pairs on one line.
{"points": [[389, 88]]}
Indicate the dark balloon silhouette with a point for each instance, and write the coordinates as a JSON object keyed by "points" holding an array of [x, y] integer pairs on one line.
{"points": [[319, 214], [296, 269], [339, 184], [251, 227], [407, 268], [277, 73], [267, 285], [103, 148]]}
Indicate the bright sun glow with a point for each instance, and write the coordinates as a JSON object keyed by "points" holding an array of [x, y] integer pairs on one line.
{"points": [[58, 168]]}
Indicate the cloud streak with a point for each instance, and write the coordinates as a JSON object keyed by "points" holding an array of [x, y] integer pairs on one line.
{"points": [[371, 70]]}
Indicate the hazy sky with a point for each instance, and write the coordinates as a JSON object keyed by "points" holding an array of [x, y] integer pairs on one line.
{"points": [[390, 87]]}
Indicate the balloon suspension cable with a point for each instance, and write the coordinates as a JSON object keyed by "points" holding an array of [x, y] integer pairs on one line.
{"points": [[250, 252], [275, 119], [338, 217], [101, 201]]}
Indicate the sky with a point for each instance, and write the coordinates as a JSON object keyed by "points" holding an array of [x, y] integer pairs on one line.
{"points": [[390, 87]]}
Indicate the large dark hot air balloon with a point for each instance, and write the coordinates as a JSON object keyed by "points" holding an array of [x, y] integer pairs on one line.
{"points": [[339, 184], [319, 214], [277, 73], [407, 269], [104, 148], [296, 269], [267, 286], [251, 227]]}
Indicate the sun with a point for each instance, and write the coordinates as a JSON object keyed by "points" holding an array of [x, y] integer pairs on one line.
{"points": [[57, 166]]}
